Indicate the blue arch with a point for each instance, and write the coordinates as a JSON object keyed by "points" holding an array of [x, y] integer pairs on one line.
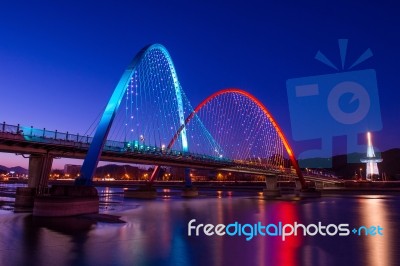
{"points": [[100, 136]]}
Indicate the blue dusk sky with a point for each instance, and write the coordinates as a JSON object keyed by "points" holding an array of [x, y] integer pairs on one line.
{"points": [[60, 60]]}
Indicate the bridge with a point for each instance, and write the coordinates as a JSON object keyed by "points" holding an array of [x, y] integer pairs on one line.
{"points": [[30, 141], [54, 144], [150, 120]]}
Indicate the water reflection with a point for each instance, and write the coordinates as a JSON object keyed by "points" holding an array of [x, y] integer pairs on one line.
{"points": [[73, 232], [155, 233], [282, 252], [374, 213], [166, 193]]}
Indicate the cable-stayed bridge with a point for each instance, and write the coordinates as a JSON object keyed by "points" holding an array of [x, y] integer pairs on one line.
{"points": [[149, 119]]}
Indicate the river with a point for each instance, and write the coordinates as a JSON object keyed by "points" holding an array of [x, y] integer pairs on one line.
{"points": [[156, 232]]}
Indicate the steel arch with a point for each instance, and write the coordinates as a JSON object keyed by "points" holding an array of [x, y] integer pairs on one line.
{"points": [[100, 137], [283, 138]]}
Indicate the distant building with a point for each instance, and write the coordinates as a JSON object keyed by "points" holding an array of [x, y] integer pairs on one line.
{"points": [[72, 170]]}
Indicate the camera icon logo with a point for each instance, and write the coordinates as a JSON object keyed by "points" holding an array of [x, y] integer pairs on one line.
{"points": [[358, 92], [340, 104]]}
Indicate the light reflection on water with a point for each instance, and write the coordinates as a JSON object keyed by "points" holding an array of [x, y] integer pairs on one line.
{"points": [[374, 213], [155, 232]]}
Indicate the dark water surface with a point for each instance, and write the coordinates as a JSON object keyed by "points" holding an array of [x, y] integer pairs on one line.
{"points": [[156, 232]]}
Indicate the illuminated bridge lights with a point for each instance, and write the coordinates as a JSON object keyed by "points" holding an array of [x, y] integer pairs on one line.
{"points": [[149, 108]]}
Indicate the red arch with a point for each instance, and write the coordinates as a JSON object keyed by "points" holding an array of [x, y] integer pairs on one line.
{"points": [[265, 111]]}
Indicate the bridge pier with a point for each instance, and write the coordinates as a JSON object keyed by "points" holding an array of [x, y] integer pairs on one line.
{"points": [[39, 171], [310, 191], [56, 201], [143, 192], [271, 190], [67, 201], [298, 186], [319, 185], [189, 191]]}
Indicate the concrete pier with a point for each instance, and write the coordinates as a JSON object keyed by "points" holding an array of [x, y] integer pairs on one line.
{"points": [[67, 201], [310, 193], [39, 171], [24, 199], [190, 192], [143, 192], [271, 190]]}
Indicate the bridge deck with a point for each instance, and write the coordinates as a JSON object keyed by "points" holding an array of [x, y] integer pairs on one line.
{"points": [[65, 145]]}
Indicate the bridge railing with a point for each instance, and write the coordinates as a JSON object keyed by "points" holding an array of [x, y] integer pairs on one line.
{"points": [[43, 135], [61, 138], [55, 137], [5, 128]]}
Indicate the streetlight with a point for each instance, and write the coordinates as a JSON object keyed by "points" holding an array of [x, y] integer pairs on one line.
{"points": [[360, 173]]}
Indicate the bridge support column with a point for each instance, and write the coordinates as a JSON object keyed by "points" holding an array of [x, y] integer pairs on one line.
{"points": [[311, 191], [56, 201], [39, 171], [271, 190], [319, 185], [298, 184], [147, 191], [67, 201], [188, 179], [189, 191], [143, 192]]}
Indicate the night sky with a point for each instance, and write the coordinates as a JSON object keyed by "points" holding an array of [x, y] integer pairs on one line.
{"points": [[60, 60]]}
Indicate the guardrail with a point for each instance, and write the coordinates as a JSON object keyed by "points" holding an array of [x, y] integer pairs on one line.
{"points": [[32, 134], [55, 137]]}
